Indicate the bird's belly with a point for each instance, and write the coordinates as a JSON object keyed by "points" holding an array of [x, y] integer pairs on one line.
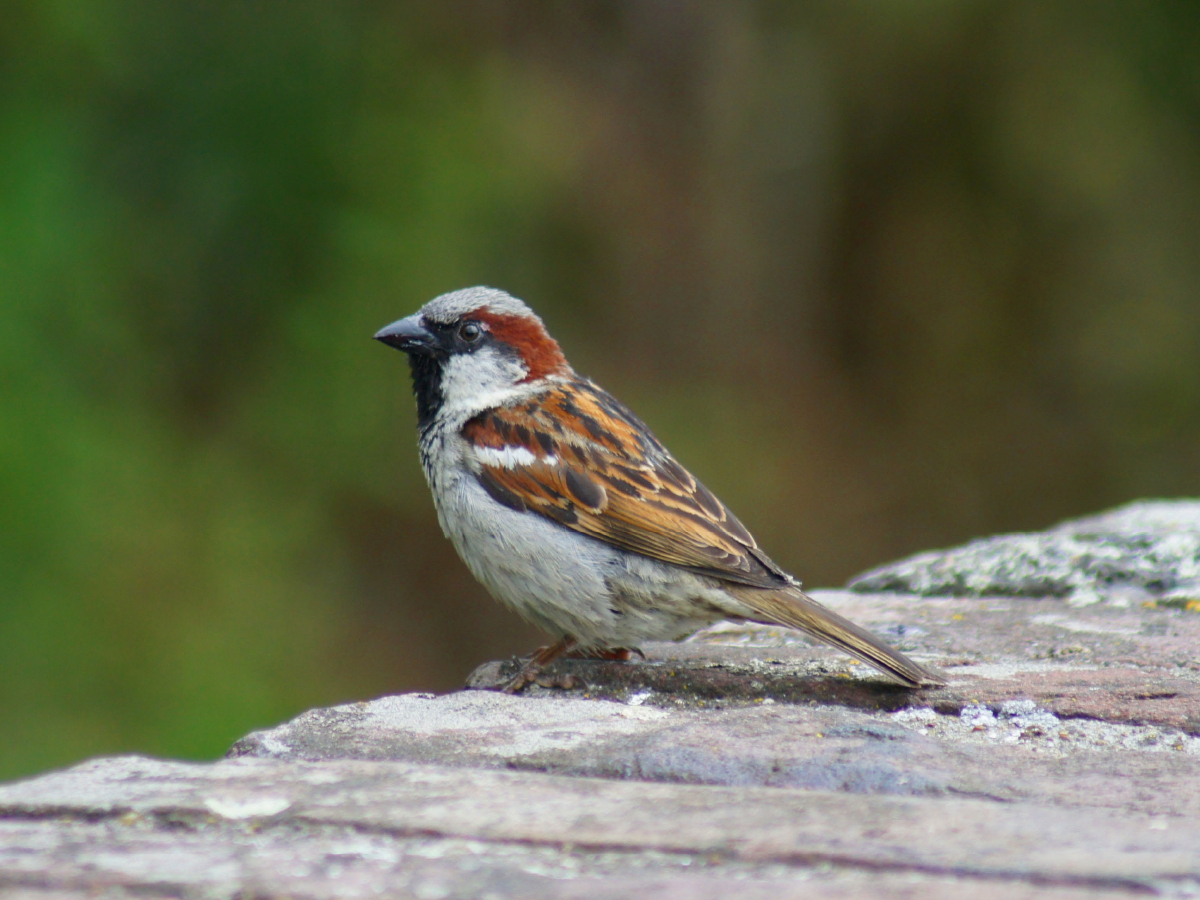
{"points": [[568, 583]]}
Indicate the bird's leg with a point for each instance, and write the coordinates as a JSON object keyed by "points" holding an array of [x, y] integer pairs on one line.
{"points": [[541, 658]]}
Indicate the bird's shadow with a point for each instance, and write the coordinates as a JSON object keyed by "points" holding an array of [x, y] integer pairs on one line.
{"points": [[701, 683]]}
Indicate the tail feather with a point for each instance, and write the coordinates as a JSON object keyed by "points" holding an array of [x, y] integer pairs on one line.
{"points": [[796, 609]]}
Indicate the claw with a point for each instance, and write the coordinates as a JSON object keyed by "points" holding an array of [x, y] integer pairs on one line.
{"points": [[567, 682], [517, 683], [526, 677]]}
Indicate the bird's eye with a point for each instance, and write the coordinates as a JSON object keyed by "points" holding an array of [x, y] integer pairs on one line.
{"points": [[470, 332]]}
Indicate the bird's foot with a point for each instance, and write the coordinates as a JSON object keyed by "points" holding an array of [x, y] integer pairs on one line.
{"points": [[527, 676], [531, 671]]}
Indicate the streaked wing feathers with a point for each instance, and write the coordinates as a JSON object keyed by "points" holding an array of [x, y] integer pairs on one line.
{"points": [[575, 455]]}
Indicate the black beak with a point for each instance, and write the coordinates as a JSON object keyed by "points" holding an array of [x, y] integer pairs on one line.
{"points": [[409, 335]]}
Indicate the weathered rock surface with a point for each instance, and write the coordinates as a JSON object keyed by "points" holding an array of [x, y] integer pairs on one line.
{"points": [[1146, 551], [1025, 753], [1062, 759], [351, 828], [1132, 664]]}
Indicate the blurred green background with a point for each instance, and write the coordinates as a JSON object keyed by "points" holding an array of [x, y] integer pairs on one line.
{"points": [[886, 274]]}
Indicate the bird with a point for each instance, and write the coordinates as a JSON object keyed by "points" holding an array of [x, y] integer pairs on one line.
{"points": [[568, 509]]}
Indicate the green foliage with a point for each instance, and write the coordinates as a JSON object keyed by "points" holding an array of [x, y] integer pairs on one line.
{"points": [[204, 215]]}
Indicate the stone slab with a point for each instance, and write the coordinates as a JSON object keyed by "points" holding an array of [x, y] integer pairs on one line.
{"points": [[1148, 551], [72, 860], [1062, 759], [350, 828], [1109, 720], [1128, 664], [1024, 754]]}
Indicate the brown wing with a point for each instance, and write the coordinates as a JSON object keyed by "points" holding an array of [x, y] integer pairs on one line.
{"points": [[577, 456]]}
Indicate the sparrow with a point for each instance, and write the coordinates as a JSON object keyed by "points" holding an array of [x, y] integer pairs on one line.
{"points": [[567, 508]]}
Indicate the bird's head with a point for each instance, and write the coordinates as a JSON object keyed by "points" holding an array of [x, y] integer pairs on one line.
{"points": [[474, 349]]}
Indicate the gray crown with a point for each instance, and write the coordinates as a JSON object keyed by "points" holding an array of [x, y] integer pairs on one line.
{"points": [[451, 307]]}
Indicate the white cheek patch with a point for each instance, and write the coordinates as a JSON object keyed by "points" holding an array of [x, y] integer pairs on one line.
{"points": [[511, 457], [475, 381], [470, 374]]}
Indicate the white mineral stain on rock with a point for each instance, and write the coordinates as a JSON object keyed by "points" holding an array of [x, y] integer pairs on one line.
{"points": [[1024, 722], [503, 725], [246, 807], [272, 743], [1009, 669], [1059, 621]]}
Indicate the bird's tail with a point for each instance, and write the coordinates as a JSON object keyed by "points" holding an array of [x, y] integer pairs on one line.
{"points": [[795, 609]]}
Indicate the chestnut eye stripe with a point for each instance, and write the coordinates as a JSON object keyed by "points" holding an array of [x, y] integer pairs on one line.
{"points": [[575, 455], [540, 352]]}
